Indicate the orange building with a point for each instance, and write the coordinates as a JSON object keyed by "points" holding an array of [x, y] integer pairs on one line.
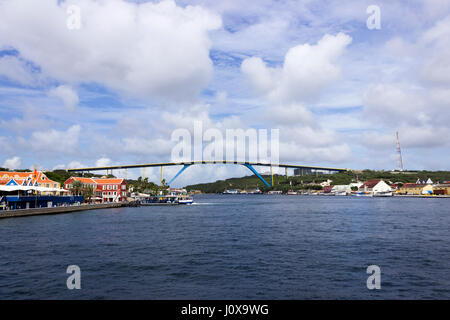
{"points": [[105, 189], [35, 178]]}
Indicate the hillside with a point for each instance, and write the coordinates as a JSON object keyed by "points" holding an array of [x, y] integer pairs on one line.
{"points": [[308, 182]]}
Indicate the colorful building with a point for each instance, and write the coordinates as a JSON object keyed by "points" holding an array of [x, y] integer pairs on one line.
{"points": [[416, 189], [375, 186], [442, 188], [35, 178], [105, 189]]}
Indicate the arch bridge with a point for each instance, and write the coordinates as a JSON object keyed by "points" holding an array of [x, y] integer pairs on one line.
{"points": [[187, 164]]}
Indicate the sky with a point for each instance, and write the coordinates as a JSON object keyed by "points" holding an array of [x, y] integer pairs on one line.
{"points": [[112, 87]]}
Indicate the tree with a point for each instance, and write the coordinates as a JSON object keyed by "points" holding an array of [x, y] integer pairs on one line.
{"points": [[76, 188], [88, 192]]}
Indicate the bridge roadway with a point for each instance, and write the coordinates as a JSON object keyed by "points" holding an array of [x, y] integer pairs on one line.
{"points": [[187, 164]]}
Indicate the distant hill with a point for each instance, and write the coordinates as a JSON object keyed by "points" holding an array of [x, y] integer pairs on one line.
{"points": [[312, 181]]}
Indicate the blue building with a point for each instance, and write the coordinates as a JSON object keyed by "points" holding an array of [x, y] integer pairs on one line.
{"points": [[14, 202]]}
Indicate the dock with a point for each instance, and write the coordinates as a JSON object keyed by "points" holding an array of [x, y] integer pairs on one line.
{"points": [[57, 210]]}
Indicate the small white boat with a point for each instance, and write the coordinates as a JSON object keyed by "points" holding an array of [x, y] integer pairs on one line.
{"points": [[186, 200], [364, 194], [383, 194], [233, 191]]}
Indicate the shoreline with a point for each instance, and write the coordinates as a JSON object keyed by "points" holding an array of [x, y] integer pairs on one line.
{"points": [[57, 210]]}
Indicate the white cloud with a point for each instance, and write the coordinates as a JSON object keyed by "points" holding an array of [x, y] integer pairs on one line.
{"points": [[290, 114], [67, 95], [417, 101], [13, 163], [16, 70], [395, 103], [56, 141], [146, 50], [306, 70], [103, 162], [286, 90]]}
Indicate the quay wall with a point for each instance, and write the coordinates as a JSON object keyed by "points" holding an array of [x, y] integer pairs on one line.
{"points": [[57, 210]]}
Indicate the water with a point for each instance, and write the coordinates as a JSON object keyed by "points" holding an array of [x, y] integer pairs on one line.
{"points": [[234, 247]]}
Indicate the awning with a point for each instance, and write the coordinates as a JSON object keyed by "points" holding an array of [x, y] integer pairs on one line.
{"points": [[32, 188]]}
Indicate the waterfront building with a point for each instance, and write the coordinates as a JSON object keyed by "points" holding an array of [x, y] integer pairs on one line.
{"points": [[428, 181], [442, 188], [326, 183], [104, 189], [375, 186], [35, 178], [356, 184], [342, 189], [177, 191], [415, 188]]}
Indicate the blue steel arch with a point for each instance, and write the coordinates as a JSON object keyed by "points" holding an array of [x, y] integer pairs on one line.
{"points": [[187, 164]]}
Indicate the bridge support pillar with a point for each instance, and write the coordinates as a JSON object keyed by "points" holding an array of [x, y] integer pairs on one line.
{"points": [[271, 172], [250, 167]]}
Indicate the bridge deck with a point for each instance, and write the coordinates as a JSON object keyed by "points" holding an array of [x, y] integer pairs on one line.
{"points": [[166, 164]]}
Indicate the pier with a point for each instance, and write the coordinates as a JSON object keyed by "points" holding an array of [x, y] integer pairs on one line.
{"points": [[57, 210]]}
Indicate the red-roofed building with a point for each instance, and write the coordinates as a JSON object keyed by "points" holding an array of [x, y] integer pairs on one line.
{"points": [[105, 189], [375, 186], [35, 178]]}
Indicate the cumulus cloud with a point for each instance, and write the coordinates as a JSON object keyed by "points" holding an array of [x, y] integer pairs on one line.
{"points": [[56, 141], [418, 105], [146, 50], [67, 95], [103, 162], [317, 154], [306, 70], [395, 103], [16, 70], [290, 114], [13, 163]]}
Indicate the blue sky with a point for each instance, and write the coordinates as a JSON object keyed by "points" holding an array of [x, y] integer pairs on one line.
{"points": [[114, 90]]}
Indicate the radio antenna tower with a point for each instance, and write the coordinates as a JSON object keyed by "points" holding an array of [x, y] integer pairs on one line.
{"points": [[399, 152]]}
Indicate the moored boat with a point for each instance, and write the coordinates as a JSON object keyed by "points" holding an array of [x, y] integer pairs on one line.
{"points": [[383, 194]]}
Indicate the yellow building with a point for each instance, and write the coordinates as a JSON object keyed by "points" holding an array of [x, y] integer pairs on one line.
{"points": [[415, 188], [442, 189]]}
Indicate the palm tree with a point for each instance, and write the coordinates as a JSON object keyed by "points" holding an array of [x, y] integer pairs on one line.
{"points": [[88, 192], [76, 187]]}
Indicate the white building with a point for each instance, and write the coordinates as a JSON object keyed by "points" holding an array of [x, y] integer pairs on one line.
{"points": [[376, 186]]}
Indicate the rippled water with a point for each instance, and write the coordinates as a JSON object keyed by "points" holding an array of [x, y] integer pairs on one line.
{"points": [[233, 247]]}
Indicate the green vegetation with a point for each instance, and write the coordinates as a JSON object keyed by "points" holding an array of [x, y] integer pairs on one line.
{"points": [[139, 185], [62, 175], [145, 186], [311, 182], [79, 189]]}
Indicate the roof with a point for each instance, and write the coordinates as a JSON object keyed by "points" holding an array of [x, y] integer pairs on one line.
{"points": [[108, 181], [38, 176], [82, 180], [96, 180], [413, 185], [371, 183]]}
